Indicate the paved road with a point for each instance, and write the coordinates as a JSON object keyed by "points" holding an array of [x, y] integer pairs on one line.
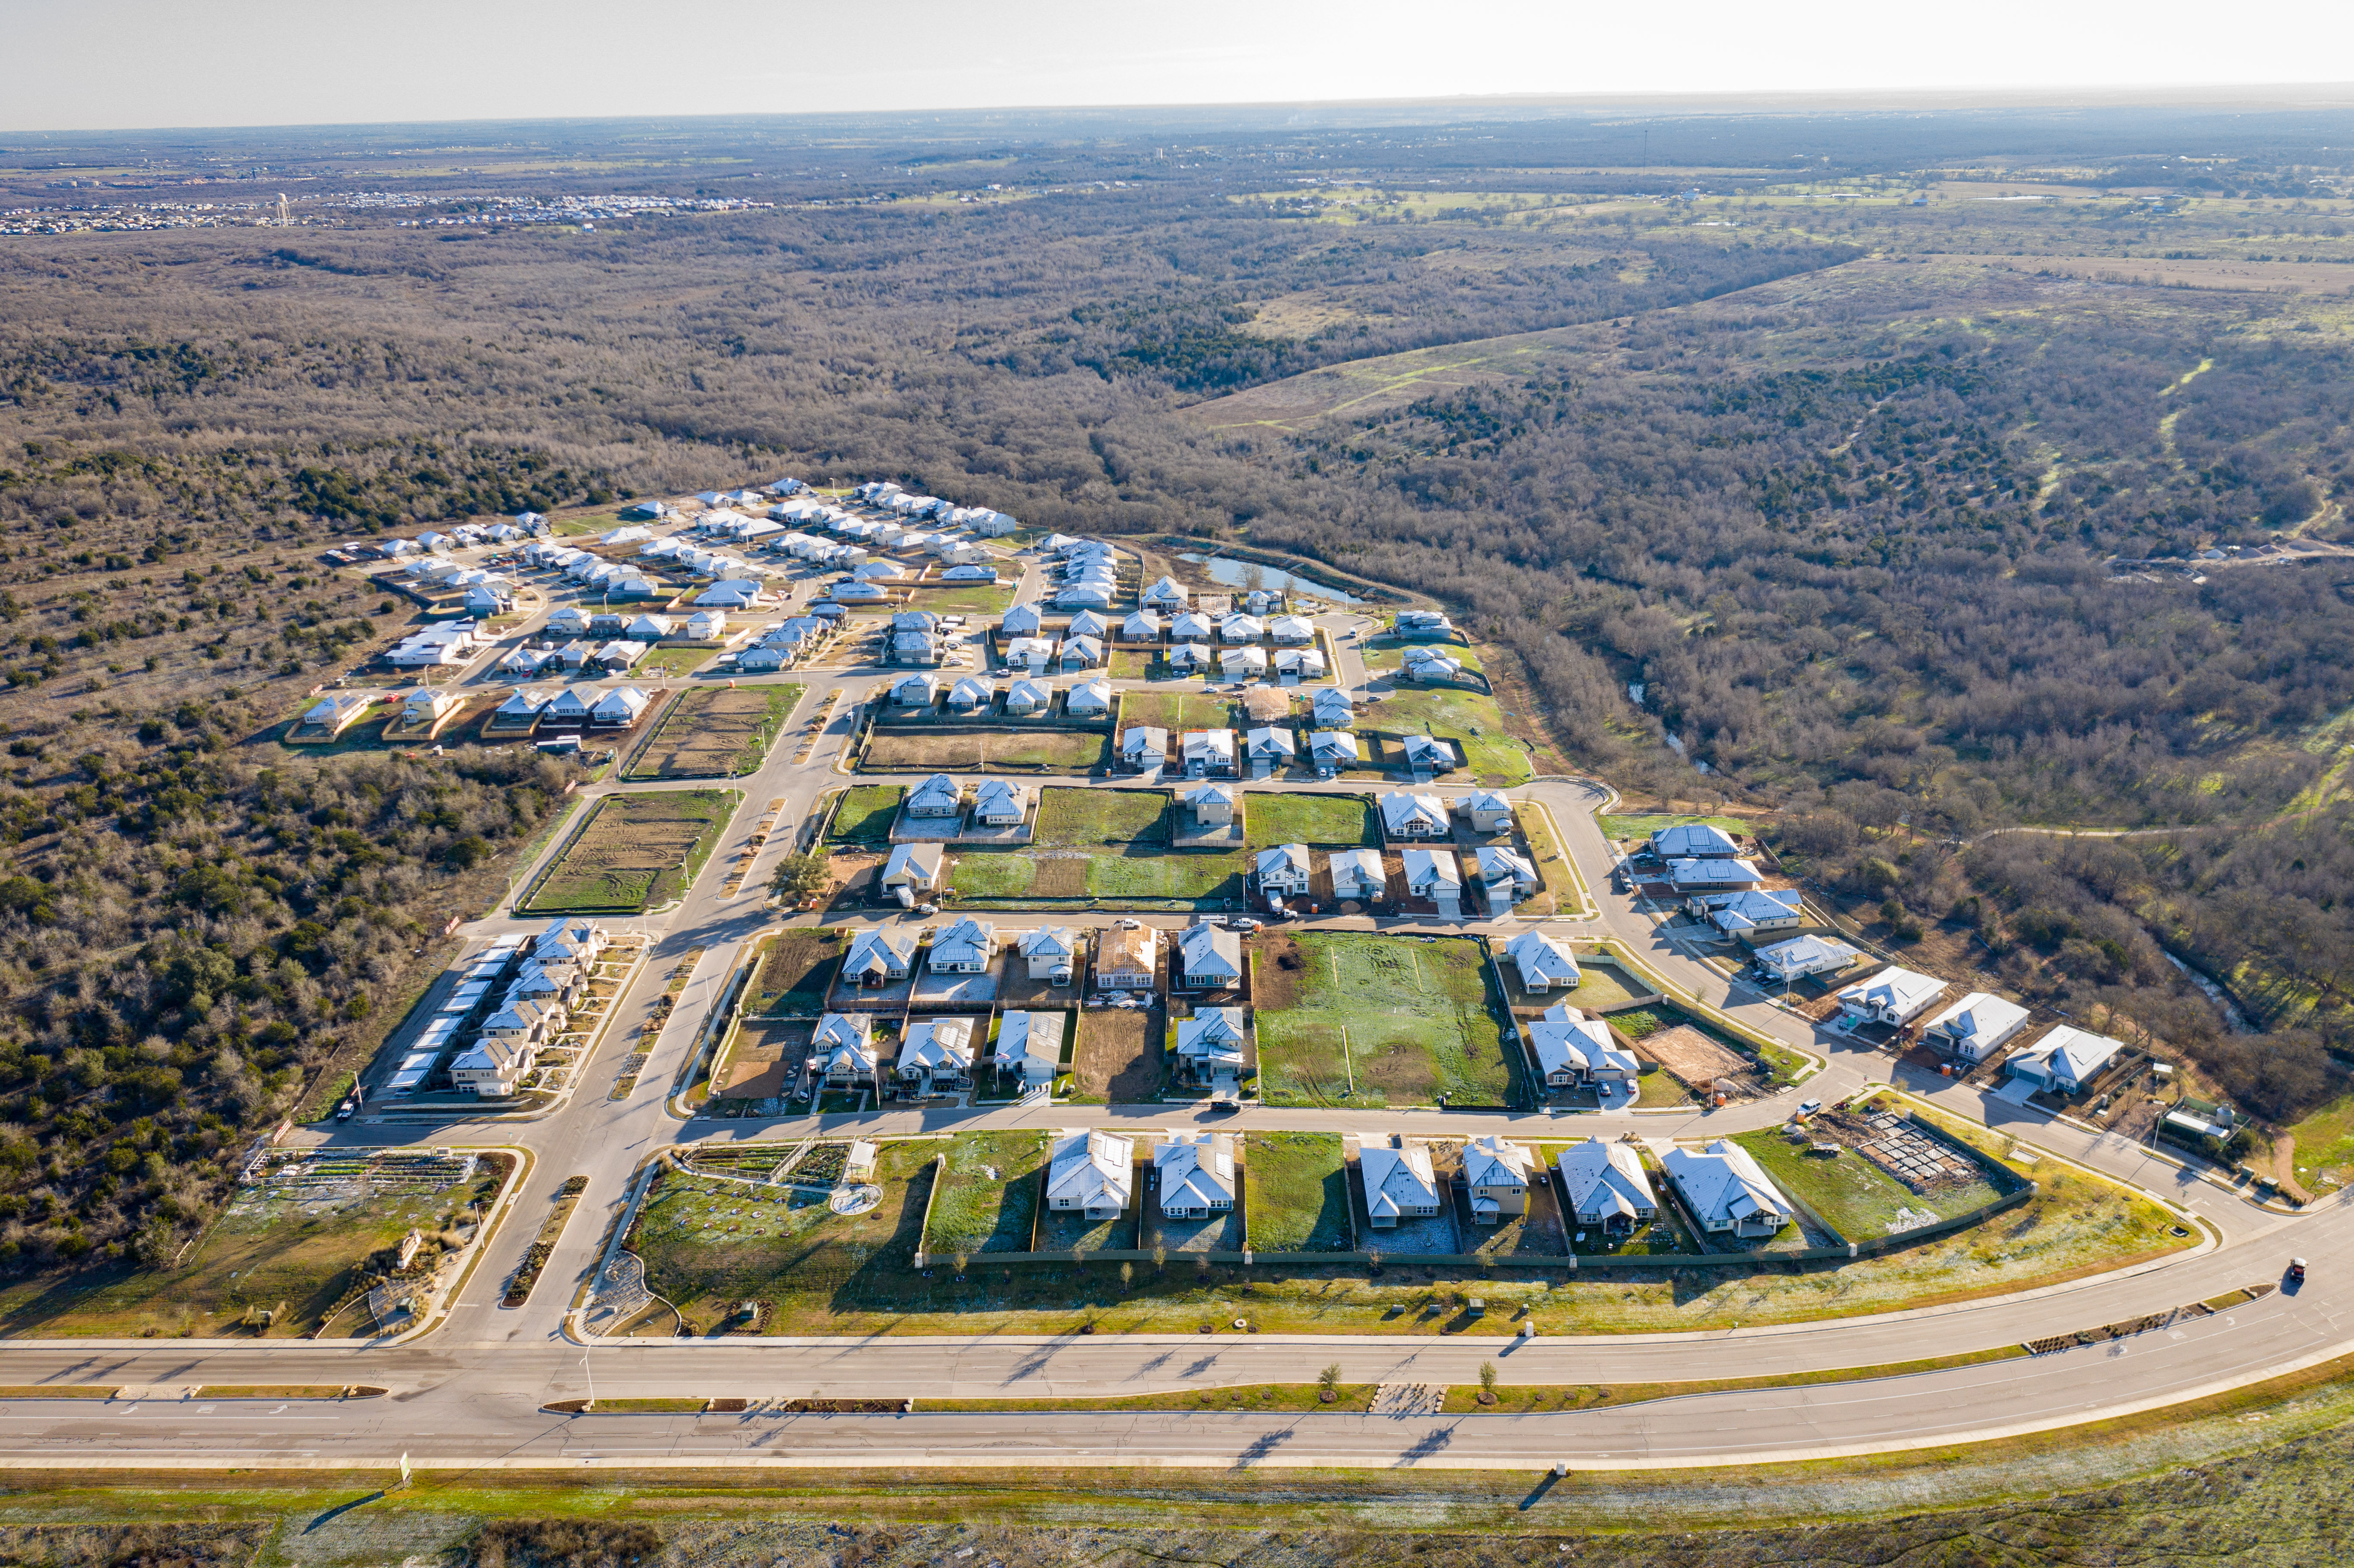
{"points": [[469, 1391]]}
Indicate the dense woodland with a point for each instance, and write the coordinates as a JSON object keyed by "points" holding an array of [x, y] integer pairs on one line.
{"points": [[1841, 507]]}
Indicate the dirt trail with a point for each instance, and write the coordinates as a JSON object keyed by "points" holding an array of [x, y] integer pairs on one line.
{"points": [[2285, 1167]]}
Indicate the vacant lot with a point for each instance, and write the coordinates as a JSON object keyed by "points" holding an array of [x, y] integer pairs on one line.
{"points": [[1296, 1192], [1681, 1047], [634, 852], [1470, 719], [1851, 1194], [964, 598], [764, 1061], [716, 732], [1145, 875], [1326, 821], [1118, 1056], [794, 972], [1094, 817], [1346, 1018], [989, 1195], [978, 751], [865, 814], [1174, 711]]}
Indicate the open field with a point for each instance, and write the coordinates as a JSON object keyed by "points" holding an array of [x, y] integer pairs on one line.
{"points": [[1383, 655], [1470, 719], [963, 598], [1097, 816], [865, 814], [1324, 821], [988, 1194], [795, 972], [1296, 1192], [978, 751], [634, 852], [1351, 1019], [716, 732]]}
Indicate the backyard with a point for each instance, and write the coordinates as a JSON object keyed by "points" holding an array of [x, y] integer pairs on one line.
{"points": [[983, 750], [1175, 711], [715, 732], [1296, 1192], [1473, 721], [634, 852], [674, 662], [865, 814], [1326, 821], [1351, 1019]]}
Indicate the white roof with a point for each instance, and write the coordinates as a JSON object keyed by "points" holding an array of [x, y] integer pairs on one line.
{"points": [[1694, 841], [876, 946], [1427, 865], [1144, 738], [1711, 873], [1982, 1019], [1901, 991], [1724, 1182], [1567, 1043], [1196, 1170], [993, 795], [1268, 741], [2079, 1052], [1283, 861], [1212, 952], [1492, 1162], [1397, 1178], [1092, 1168], [1496, 862], [1606, 1178], [1535, 954], [923, 861], [938, 791], [1807, 955], [937, 1042], [970, 941], [1359, 865], [1048, 942], [1338, 744], [1401, 811]]}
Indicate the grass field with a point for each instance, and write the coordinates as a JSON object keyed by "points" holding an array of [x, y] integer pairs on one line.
{"points": [[984, 750], [634, 852], [1296, 1192], [1851, 1194], [865, 814], [1096, 817], [964, 598], [1147, 873], [675, 660], [794, 972], [1346, 1018], [1564, 891], [1470, 719], [716, 732], [1175, 711], [1326, 821], [988, 1194]]}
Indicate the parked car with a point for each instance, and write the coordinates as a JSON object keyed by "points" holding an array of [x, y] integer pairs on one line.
{"points": [[1808, 1108], [1242, 923]]}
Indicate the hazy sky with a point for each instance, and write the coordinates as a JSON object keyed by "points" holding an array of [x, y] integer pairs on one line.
{"points": [[99, 64]]}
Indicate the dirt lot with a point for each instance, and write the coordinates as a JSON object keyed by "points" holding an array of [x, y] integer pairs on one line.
{"points": [[1690, 1057], [715, 732], [764, 1063], [637, 850], [1119, 1054], [984, 750], [795, 972]]}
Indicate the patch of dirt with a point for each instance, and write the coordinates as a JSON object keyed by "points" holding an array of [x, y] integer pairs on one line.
{"points": [[1280, 968], [1119, 1054], [1690, 1057]]}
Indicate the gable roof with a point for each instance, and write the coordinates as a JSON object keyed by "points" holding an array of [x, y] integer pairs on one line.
{"points": [[878, 950], [1902, 992], [1980, 1017], [1402, 814], [1724, 1182], [1605, 1180], [939, 792], [1283, 861], [1211, 952], [1536, 955], [1092, 1169], [1397, 1180], [1694, 841], [1196, 1170], [1424, 867]]}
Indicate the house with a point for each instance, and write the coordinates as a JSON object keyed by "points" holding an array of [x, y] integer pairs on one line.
{"points": [[1544, 962], [1128, 957], [1051, 953], [1089, 699], [1085, 596], [1211, 956], [1144, 626], [649, 628], [1725, 1191], [1603, 1186], [1894, 996], [1262, 601], [1292, 630], [1332, 709], [616, 656], [763, 657], [1332, 749], [2065, 1060], [426, 707], [843, 1049], [1210, 1044], [1167, 594], [1270, 746], [1242, 663], [917, 691], [1194, 1173], [1087, 623], [1296, 665], [1144, 746], [1975, 1027], [1574, 1051], [1694, 841], [1713, 875], [1209, 753], [1190, 628], [856, 593], [1213, 805], [1413, 624], [1508, 876], [569, 707], [964, 949], [1405, 816], [1022, 621], [1496, 1175], [881, 572], [1358, 874], [1487, 810], [878, 957], [970, 572], [1399, 1184], [1081, 653], [1029, 1045], [707, 625], [999, 804], [1283, 871], [1026, 697], [1241, 628], [522, 709], [1433, 873], [522, 664], [490, 1068], [524, 1023], [493, 596], [970, 695], [938, 1054], [913, 868], [1795, 959], [1092, 1172], [732, 593], [620, 708], [939, 795], [1189, 658], [1426, 755], [1751, 909], [1429, 665]]}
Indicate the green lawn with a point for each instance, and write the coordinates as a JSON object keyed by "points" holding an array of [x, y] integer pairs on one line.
{"points": [[1849, 1192], [795, 971], [1175, 711], [976, 1210], [1366, 1020], [2325, 1146], [1147, 872], [1327, 822], [1183, 876], [1296, 1192], [1076, 817], [992, 873], [1471, 719], [866, 815], [964, 598], [675, 661], [633, 851]]}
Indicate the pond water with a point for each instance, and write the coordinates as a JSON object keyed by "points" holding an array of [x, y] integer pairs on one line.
{"points": [[1231, 573]]}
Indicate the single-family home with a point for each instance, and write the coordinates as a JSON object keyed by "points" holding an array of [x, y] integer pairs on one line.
{"points": [[1750, 910], [1800, 957], [1027, 697], [2065, 1060], [1894, 996], [1245, 663], [1496, 1176], [1051, 953], [1408, 816], [1091, 1173], [1128, 957], [569, 708], [1975, 1027], [1331, 750], [1399, 1183], [427, 705], [707, 625], [856, 593], [1189, 627], [1144, 626], [970, 572], [1190, 658], [1089, 699], [1488, 812], [492, 596], [522, 664], [1143, 746], [965, 947], [1084, 596], [1689, 876], [490, 1068], [1081, 653], [1210, 956], [616, 656], [1507, 876], [1412, 624], [1429, 666], [1088, 623], [1022, 621], [618, 708], [522, 708], [911, 871], [1694, 841], [1603, 1186], [970, 696], [1293, 665], [843, 1049], [1262, 601], [1332, 709], [938, 1054], [939, 795], [1028, 1046], [1432, 874], [1209, 753], [999, 804], [919, 690], [1424, 755], [1270, 746], [1358, 874], [649, 628], [881, 572], [878, 957], [1574, 1051], [1282, 871], [1725, 1190], [1194, 1173], [1210, 1044], [1241, 628], [1290, 631], [524, 1022], [1213, 805], [1544, 962], [1167, 594], [763, 657]]}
